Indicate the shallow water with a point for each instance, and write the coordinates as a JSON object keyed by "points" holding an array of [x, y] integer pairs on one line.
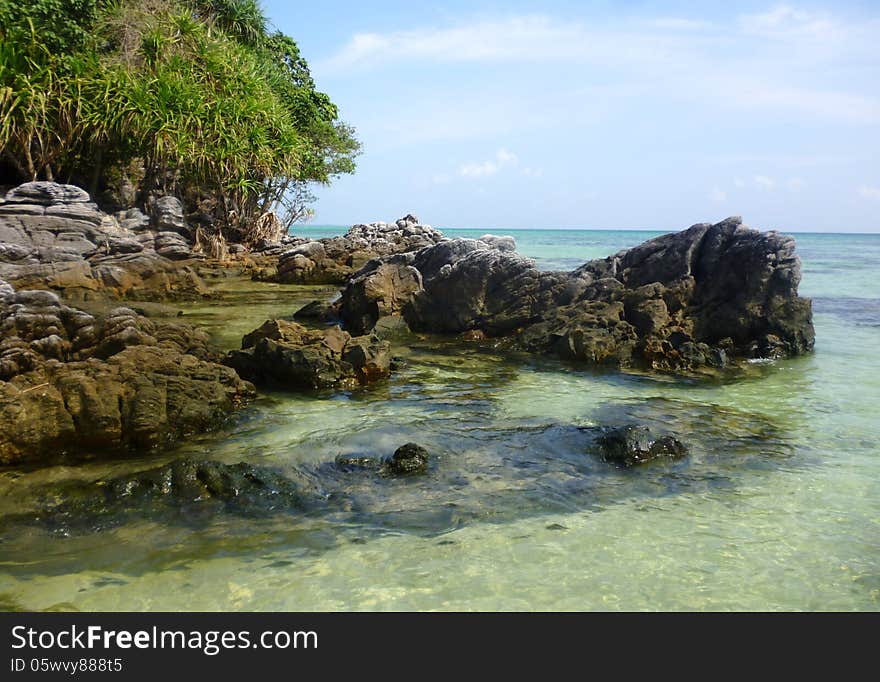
{"points": [[776, 507]]}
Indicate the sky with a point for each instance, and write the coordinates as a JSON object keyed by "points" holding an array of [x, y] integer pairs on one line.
{"points": [[627, 114]]}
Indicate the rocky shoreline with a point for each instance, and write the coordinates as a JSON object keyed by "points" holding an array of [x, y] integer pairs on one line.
{"points": [[75, 384]]}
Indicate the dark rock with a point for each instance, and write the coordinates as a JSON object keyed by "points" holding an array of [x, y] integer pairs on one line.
{"points": [[318, 310], [377, 293], [287, 354], [631, 445], [410, 458], [184, 490], [349, 463], [686, 301]]}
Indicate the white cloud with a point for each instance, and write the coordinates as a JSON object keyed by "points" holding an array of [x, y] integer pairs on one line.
{"points": [[513, 38], [505, 157], [483, 169], [784, 21], [681, 58], [532, 172], [869, 192], [763, 182], [718, 194], [681, 24], [739, 182]]}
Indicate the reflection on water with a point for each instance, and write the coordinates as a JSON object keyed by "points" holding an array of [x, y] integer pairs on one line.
{"points": [[776, 505]]}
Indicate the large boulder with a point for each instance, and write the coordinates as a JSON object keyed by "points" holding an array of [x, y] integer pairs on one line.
{"points": [[377, 293], [287, 354], [684, 301]]}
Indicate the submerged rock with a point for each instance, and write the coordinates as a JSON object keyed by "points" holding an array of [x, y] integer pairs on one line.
{"points": [[409, 458], [282, 353], [681, 302], [187, 488], [632, 445]]}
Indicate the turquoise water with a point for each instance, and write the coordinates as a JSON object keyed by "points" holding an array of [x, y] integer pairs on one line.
{"points": [[777, 506]]}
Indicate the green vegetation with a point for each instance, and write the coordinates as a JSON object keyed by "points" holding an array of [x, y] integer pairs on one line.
{"points": [[197, 98]]}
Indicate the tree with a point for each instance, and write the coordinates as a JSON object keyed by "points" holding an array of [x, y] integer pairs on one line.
{"points": [[195, 98]]}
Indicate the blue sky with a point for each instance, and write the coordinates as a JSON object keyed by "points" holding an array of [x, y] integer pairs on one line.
{"points": [[606, 114]]}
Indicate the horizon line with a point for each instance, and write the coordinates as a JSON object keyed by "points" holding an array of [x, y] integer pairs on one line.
{"points": [[583, 229]]}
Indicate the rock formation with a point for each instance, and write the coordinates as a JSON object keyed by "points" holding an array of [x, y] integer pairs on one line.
{"points": [[53, 237], [680, 302], [332, 260], [286, 354], [72, 383]]}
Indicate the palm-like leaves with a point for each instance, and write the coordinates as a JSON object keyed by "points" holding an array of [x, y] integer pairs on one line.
{"points": [[196, 90]]}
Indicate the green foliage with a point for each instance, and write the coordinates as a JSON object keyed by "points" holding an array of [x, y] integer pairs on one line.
{"points": [[56, 25], [197, 95]]}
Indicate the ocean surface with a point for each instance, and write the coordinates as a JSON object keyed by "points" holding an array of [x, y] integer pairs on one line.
{"points": [[777, 506]]}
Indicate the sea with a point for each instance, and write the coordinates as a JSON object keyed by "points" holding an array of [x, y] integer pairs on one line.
{"points": [[777, 506]]}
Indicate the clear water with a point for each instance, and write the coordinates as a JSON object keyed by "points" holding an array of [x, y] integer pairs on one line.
{"points": [[777, 506]]}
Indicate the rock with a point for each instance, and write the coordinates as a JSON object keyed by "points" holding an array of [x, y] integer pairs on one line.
{"points": [[631, 445], [408, 220], [319, 310], [333, 260], [76, 211], [378, 293], [410, 458], [167, 215], [287, 354], [173, 246], [183, 490], [468, 284], [349, 463], [63, 242], [134, 219], [505, 243], [75, 384], [683, 302], [392, 328], [47, 193]]}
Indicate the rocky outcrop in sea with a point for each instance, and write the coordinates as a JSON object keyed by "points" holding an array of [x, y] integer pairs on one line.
{"points": [[333, 260], [680, 302]]}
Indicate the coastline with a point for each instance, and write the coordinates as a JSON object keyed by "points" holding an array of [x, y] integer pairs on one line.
{"points": [[527, 422]]}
